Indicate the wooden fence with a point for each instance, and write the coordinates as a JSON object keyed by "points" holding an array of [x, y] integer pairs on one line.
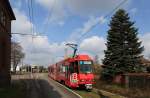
{"points": [[137, 80]]}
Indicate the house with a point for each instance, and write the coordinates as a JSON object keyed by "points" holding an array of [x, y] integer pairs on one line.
{"points": [[6, 16], [146, 64]]}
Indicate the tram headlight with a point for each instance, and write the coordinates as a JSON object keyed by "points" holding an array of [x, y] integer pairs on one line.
{"points": [[92, 80], [82, 80]]}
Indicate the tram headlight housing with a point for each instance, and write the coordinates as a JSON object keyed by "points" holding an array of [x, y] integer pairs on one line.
{"points": [[82, 80], [92, 80]]}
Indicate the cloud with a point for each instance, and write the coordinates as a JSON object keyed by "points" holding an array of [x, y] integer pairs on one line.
{"points": [[97, 44], [77, 33], [61, 23], [133, 11], [61, 9], [22, 24], [94, 46], [91, 7], [38, 49], [42, 52], [56, 10], [146, 43]]}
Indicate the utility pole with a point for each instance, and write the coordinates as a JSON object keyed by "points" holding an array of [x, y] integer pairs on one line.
{"points": [[66, 53]]}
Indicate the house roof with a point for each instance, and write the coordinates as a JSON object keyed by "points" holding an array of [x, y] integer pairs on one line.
{"points": [[12, 15], [144, 60]]}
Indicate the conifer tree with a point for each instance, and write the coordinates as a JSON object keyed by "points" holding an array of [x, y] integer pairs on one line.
{"points": [[124, 49]]}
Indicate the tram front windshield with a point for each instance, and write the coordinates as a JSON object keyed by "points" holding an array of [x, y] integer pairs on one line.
{"points": [[85, 66]]}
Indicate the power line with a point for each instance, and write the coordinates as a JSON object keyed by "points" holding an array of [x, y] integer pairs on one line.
{"points": [[30, 8], [48, 17], [21, 34], [27, 34], [29, 12], [31, 19], [32, 14], [107, 15]]}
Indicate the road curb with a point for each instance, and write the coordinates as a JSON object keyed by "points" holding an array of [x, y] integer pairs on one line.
{"points": [[68, 89], [103, 91]]}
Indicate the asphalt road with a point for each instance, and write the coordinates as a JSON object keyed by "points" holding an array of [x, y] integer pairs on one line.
{"points": [[40, 86]]}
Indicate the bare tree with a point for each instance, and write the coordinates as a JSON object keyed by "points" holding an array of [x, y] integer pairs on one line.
{"points": [[96, 59], [16, 54]]}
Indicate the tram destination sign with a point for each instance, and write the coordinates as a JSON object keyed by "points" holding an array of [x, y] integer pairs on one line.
{"points": [[85, 62]]}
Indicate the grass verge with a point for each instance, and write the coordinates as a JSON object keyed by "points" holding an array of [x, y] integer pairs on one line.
{"points": [[118, 89], [96, 94], [86, 94]]}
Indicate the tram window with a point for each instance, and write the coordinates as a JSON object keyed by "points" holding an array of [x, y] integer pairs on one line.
{"points": [[63, 68], [52, 69], [67, 68], [58, 69], [76, 67], [71, 68]]}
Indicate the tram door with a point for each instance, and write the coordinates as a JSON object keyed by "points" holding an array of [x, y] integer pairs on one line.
{"points": [[67, 73]]}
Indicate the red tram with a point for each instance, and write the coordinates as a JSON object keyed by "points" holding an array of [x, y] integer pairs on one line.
{"points": [[74, 72]]}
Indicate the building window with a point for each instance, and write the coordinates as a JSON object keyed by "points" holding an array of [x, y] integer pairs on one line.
{"points": [[2, 17], [3, 53], [0, 54]]}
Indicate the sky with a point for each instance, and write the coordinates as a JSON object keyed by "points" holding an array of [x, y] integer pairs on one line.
{"points": [[57, 22]]}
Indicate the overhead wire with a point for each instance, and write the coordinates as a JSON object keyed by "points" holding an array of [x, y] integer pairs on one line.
{"points": [[48, 17], [31, 21], [29, 13], [107, 15], [22, 34], [32, 16], [30, 7]]}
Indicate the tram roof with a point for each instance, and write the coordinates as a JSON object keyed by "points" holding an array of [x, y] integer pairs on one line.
{"points": [[79, 57]]}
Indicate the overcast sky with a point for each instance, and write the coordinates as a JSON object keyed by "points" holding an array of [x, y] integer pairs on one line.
{"points": [[62, 21]]}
